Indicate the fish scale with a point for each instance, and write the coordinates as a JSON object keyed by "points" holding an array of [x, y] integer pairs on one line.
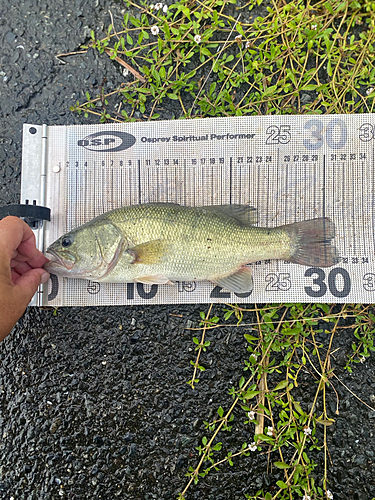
{"points": [[200, 242]]}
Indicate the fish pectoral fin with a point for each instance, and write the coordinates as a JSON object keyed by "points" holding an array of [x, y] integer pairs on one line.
{"points": [[239, 282], [150, 252], [156, 279], [244, 214]]}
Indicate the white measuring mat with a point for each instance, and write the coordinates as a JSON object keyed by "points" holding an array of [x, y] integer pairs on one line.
{"points": [[291, 168]]}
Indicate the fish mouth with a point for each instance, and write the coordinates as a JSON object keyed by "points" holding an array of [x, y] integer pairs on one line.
{"points": [[58, 261]]}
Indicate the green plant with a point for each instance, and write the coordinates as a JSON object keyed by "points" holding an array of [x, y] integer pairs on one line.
{"points": [[302, 57], [282, 348]]}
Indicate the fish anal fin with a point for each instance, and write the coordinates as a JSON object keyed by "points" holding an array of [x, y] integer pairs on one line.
{"points": [[244, 214], [150, 252], [239, 282]]}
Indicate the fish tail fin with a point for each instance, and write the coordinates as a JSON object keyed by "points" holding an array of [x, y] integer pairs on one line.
{"points": [[312, 242]]}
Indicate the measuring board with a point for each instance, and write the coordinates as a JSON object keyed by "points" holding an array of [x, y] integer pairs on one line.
{"points": [[291, 168]]}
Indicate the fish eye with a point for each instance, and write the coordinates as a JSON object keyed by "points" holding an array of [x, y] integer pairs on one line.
{"points": [[66, 242]]}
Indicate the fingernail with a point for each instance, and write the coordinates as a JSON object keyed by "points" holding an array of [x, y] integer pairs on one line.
{"points": [[44, 278]]}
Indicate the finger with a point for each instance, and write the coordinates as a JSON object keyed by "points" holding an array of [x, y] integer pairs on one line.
{"points": [[37, 261], [14, 275], [27, 284], [15, 234], [19, 296], [20, 267], [5, 271]]}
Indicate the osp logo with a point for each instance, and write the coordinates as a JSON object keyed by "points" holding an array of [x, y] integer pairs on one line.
{"points": [[110, 141]]}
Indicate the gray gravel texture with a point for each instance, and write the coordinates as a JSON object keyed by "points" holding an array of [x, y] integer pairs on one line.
{"points": [[94, 402]]}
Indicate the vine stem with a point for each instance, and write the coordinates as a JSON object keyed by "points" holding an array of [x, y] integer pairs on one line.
{"points": [[200, 348]]}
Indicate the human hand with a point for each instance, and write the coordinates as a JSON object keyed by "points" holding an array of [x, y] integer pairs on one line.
{"points": [[21, 271]]}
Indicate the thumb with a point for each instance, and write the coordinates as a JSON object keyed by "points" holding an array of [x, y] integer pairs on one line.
{"points": [[27, 284]]}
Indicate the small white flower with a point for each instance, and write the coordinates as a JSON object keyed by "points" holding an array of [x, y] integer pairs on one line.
{"points": [[253, 446], [165, 8], [248, 45], [329, 495], [307, 431], [270, 431], [362, 359], [158, 6], [197, 39], [155, 30], [152, 6], [306, 497], [251, 415], [238, 38], [314, 26], [368, 91]]}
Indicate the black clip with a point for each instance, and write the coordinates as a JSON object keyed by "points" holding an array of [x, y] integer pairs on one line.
{"points": [[31, 214]]}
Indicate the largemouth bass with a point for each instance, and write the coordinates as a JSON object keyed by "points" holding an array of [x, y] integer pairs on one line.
{"points": [[164, 243]]}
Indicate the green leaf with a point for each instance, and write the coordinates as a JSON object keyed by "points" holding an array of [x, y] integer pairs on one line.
{"points": [[206, 52], [310, 86], [328, 6], [282, 485], [186, 11], [249, 338], [297, 406], [240, 29], [267, 439], [326, 422], [162, 72], [191, 74], [270, 90], [329, 68], [250, 394], [166, 30], [220, 411], [281, 465], [281, 385]]}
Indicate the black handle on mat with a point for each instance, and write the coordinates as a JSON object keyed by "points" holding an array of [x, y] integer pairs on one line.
{"points": [[30, 213]]}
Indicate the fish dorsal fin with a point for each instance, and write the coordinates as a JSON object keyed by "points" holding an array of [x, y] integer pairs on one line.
{"points": [[244, 214], [150, 252], [239, 282]]}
